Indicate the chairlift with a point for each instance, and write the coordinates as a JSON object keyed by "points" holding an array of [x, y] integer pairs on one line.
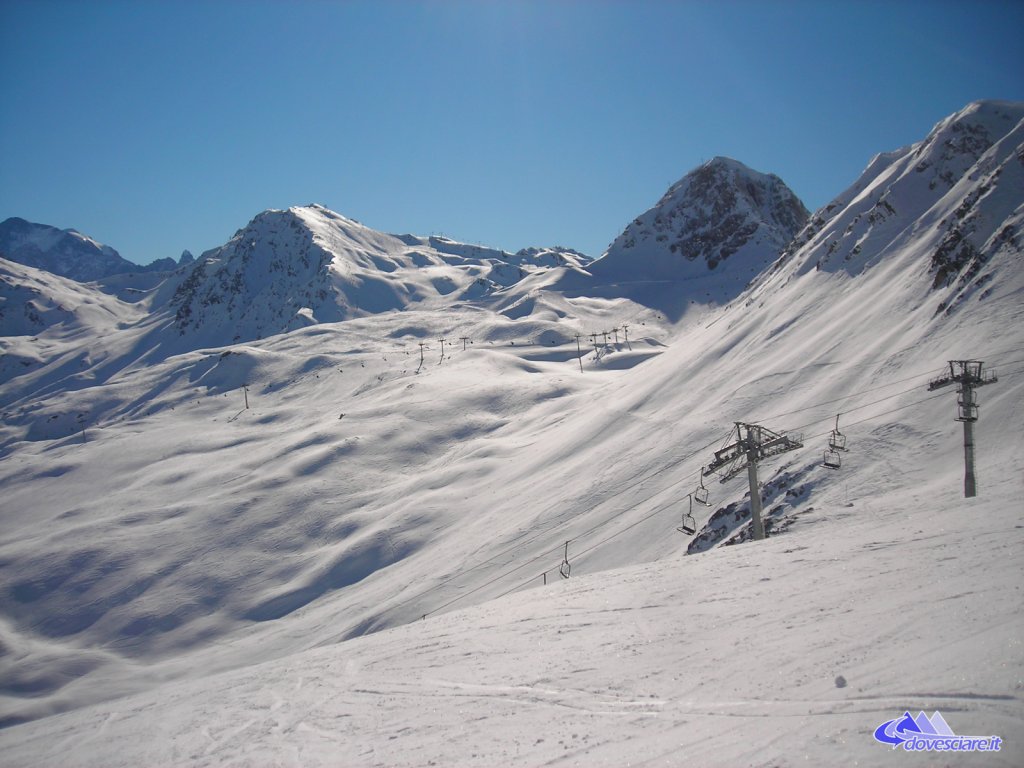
{"points": [[837, 440], [701, 494], [565, 569], [689, 524], [832, 459]]}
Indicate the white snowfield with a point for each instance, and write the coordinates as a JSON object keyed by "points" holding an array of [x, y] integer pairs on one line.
{"points": [[913, 598], [351, 571]]}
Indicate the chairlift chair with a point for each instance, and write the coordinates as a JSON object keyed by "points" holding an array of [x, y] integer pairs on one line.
{"points": [[689, 524], [701, 494], [565, 568], [832, 459], [837, 440]]}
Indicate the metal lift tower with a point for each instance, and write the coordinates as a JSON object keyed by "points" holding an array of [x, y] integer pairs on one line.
{"points": [[967, 374], [754, 443]]}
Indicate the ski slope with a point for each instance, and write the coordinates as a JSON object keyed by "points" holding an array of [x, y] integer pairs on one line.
{"points": [[352, 568], [788, 652]]}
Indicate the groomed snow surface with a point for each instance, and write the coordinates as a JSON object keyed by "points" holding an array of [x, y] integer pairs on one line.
{"points": [[788, 652]]}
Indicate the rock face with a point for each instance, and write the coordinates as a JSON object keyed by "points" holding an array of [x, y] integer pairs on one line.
{"points": [[721, 221], [954, 203]]}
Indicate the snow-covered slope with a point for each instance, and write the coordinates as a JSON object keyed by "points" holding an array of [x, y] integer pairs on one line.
{"points": [[43, 316], [308, 265], [791, 652], [381, 475], [712, 232], [64, 252], [956, 195]]}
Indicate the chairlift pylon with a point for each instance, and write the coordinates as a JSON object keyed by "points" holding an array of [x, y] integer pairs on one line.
{"points": [[701, 494], [689, 524]]}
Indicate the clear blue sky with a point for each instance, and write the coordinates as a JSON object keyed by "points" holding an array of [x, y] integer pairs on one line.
{"points": [[158, 126]]}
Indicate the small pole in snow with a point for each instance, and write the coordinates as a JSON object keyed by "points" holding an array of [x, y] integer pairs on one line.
{"points": [[616, 332], [579, 352], [464, 340], [545, 577], [625, 330], [442, 351], [605, 334], [422, 345], [245, 391]]}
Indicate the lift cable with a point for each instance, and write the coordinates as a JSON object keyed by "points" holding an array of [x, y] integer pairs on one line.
{"points": [[559, 522], [665, 507]]}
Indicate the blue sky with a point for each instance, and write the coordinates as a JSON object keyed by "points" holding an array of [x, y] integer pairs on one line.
{"points": [[158, 126]]}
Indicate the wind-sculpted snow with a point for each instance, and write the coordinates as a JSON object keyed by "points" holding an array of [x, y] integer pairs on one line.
{"points": [[806, 643], [179, 506]]}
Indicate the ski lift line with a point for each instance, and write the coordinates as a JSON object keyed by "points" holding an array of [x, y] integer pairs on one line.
{"points": [[928, 375], [866, 418], [632, 525], [660, 509], [860, 408], [1004, 374], [855, 408], [604, 541], [666, 507], [499, 577], [464, 572], [847, 397]]}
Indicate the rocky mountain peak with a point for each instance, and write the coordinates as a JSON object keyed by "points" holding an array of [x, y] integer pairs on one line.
{"points": [[949, 205], [722, 220]]}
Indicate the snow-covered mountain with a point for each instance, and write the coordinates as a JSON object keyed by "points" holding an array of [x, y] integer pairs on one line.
{"points": [[66, 252], [34, 301], [956, 196], [712, 232], [333, 516], [308, 265]]}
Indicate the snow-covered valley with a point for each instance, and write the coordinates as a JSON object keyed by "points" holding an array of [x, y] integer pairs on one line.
{"points": [[264, 515]]}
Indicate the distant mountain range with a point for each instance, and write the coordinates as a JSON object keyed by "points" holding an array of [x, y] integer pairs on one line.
{"points": [[716, 231], [69, 253]]}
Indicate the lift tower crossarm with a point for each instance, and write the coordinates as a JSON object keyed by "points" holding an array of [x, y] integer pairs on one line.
{"points": [[970, 374], [753, 444]]}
